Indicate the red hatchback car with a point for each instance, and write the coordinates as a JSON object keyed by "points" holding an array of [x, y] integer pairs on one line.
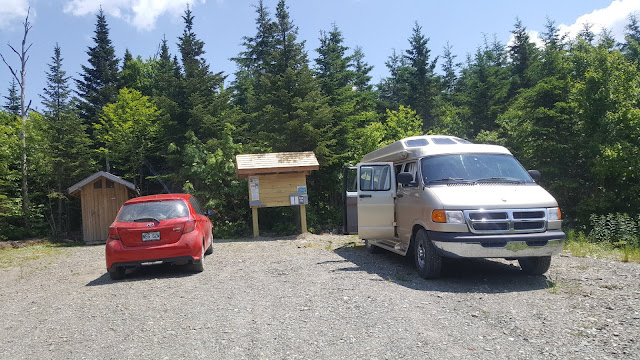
{"points": [[168, 228]]}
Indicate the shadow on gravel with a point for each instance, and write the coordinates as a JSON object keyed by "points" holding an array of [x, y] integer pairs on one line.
{"points": [[258, 239], [458, 275], [147, 272]]}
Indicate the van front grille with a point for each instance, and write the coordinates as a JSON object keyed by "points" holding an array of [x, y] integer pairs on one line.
{"points": [[506, 221]]}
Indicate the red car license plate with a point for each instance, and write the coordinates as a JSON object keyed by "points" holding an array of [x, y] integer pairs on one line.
{"points": [[151, 236]]}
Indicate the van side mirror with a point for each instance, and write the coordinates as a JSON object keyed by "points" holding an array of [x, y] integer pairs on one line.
{"points": [[405, 178], [535, 175]]}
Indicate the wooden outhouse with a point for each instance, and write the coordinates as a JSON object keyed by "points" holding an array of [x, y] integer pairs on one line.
{"points": [[101, 196], [277, 179]]}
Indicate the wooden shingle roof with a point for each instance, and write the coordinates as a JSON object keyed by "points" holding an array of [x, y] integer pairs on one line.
{"points": [[275, 163], [73, 189]]}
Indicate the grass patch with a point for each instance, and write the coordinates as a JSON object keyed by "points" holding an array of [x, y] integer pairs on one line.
{"points": [[578, 244], [552, 285], [20, 256]]}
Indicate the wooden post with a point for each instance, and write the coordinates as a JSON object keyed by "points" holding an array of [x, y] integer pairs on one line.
{"points": [[303, 218], [254, 215]]}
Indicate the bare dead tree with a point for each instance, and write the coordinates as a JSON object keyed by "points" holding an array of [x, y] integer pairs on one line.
{"points": [[24, 110]]}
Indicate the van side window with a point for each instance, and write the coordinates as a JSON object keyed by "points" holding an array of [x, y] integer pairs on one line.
{"points": [[375, 178]]}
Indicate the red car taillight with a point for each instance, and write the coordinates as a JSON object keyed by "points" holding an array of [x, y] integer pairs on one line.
{"points": [[113, 233], [189, 226]]}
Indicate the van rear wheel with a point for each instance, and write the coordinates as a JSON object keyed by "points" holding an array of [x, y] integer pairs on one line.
{"points": [[428, 261], [535, 265]]}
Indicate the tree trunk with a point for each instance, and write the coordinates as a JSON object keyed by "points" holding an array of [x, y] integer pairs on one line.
{"points": [[22, 55], [25, 185], [58, 230]]}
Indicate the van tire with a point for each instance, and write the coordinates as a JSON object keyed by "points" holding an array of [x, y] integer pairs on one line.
{"points": [[428, 261], [535, 265], [371, 249]]}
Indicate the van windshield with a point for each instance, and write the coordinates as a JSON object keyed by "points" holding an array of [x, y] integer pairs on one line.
{"points": [[475, 168]]}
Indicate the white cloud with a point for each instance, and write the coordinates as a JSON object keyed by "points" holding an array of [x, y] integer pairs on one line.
{"points": [[140, 13], [534, 37], [614, 17], [13, 13]]}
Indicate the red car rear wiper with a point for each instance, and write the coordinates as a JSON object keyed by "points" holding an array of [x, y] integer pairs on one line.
{"points": [[146, 219]]}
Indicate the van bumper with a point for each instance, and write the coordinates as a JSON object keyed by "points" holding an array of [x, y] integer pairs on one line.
{"points": [[468, 245]]}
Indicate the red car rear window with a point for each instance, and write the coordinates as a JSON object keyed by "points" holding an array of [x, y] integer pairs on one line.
{"points": [[160, 210]]}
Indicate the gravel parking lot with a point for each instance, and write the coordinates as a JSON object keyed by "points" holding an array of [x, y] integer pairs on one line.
{"points": [[317, 297]]}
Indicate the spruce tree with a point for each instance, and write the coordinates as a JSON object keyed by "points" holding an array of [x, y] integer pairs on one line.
{"points": [[449, 67], [362, 80], [199, 84], [631, 46], [344, 80], [12, 104], [393, 90], [258, 48], [524, 55], [165, 80], [98, 85], [422, 81], [56, 95], [67, 138], [332, 63], [483, 88], [291, 106], [252, 64]]}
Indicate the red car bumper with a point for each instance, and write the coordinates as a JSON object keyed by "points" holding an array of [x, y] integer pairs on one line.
{"points": [[188, 248]]}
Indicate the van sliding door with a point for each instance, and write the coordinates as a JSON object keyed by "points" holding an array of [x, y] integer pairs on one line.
{"points": [[376, 201]]}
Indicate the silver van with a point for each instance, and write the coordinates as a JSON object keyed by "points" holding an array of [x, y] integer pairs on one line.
{"points": [[435, 196]]}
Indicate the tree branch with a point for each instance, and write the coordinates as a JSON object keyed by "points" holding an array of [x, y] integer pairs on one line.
{"points": [[10, 69]]}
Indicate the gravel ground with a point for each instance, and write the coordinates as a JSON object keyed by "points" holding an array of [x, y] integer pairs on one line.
{"points": [[317, 297]]}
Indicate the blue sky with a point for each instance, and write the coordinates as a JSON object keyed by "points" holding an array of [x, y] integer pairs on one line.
{"points": [[378, 26]]}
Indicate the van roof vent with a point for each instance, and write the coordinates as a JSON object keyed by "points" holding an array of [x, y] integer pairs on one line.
{"points": [[416, 142]]}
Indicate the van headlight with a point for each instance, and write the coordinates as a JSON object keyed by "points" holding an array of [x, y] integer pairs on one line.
{"points": [[447, 216], [554, 213]]}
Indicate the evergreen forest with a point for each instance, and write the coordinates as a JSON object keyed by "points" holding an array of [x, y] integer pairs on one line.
{"points": [[569, 108]]}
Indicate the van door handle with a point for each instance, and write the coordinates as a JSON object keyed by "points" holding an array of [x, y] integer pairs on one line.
{"points": [[364, 196]]}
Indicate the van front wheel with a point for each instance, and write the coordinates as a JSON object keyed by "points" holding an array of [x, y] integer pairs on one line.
{"points": [[428, 261], [535, 265]]}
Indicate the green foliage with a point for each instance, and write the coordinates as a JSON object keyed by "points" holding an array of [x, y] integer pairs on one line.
{"points": [[401, 123], [128, 129], [619, 230], [569, 109], [210, 170], [10, 203], [138, 74]]}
